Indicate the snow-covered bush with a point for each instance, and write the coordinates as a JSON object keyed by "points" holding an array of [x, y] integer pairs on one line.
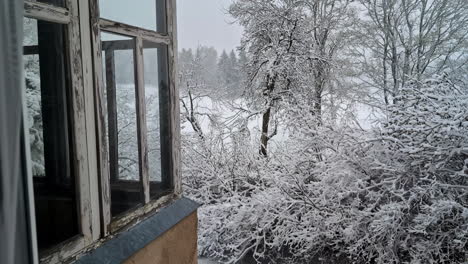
{"points": [[399, 195], [427, 134]]}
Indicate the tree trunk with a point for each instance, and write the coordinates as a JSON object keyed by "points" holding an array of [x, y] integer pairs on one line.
{"points": [[318, 90], [318, 107], [465, 169], [396, 85], [271, 81], [384, 64], [265, 126]]}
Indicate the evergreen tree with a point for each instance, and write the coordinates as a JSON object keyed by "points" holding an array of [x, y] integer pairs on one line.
{"points": [[228, 73], [242, 63], [185, 57], [234, 75], [233, 64], [223, 69], [207, 60]]}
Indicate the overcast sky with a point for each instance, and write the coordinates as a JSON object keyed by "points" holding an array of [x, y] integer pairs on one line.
{"points": [[205, 22]]}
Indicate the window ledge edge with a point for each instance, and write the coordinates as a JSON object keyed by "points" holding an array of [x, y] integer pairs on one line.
{"points": [[120, 247]]}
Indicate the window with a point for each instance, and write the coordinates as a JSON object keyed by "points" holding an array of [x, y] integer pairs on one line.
{"points": [[157, 115], [148, 14], [137, 109], [66, 205], [102, 117], [47, 93], [121, 122]]}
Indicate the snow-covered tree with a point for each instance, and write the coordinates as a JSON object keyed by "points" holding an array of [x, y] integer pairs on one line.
{"points": [[271, 40], [410, 39], [330, 189]]}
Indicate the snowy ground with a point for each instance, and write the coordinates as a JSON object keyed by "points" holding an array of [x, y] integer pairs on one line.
{"points": [[206, 261]]}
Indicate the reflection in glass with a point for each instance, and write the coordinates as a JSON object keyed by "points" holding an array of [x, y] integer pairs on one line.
{"points": [[156, 93], [148, 14], [59, 3], [47, 96], [121, 123], [33, 97], [126, 116]]}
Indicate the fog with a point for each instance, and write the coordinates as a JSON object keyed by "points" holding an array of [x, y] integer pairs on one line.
{"points": [[206, 22]]}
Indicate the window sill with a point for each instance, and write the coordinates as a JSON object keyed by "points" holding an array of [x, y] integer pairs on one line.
{"points": [[132, 216], [122, 246]]}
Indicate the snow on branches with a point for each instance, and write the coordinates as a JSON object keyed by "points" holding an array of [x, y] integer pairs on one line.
{"points": [[395, 195]]}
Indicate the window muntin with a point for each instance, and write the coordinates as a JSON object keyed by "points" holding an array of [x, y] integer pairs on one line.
{"points": [[146, 14], [47, 98]]}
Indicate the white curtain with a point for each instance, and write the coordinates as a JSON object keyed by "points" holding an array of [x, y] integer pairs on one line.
{"points": [[15, 231]]}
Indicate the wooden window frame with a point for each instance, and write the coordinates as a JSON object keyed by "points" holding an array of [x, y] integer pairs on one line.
{"points": [[82, 126], [89, 158], [168, 39]]}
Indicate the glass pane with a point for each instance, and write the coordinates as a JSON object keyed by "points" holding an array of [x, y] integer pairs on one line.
{"points": [[119, 70], [48, 123], [148, 14], [156, 92], [59, 3], [33, 96]]}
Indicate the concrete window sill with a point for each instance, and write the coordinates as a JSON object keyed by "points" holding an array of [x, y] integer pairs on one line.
{"points": [[126, 244]]}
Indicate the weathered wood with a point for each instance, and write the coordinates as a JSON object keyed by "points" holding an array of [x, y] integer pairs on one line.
{"points": [[174, 98], [90, 110], [101, 113], [79, 118], [141, 120], [135, 216], [79, 135], [128, 30], [63, 251], [79, 130], [46, 12]]}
